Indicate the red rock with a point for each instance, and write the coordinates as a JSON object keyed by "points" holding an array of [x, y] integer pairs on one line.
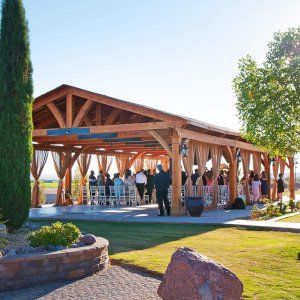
{"points": [[192, 276]]}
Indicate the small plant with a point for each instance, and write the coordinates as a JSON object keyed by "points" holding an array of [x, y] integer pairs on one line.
{"points": [[297, 205], [274, 210], [57, 234], [292, 204], [257, 213]]}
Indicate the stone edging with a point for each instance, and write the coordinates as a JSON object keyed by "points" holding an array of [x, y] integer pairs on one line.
{"points": [[24, 270]]}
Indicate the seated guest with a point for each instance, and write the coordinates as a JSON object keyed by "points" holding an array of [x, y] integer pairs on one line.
{"points": [[117, 183], [195, 176], [100, 179], [209, 178], [128, 180], [141, 181], [108, 183]]}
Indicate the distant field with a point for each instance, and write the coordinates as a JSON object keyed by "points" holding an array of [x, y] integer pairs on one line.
{"points": [[48, 184]]}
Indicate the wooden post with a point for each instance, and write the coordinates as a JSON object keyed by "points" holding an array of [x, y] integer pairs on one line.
{"points": [[292, 177], [68, 180], [176, 209], [233, 165], [69, 111]]}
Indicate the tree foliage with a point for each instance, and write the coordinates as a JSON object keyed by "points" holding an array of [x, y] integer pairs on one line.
{"points": [[16, 99], [268, 97]]}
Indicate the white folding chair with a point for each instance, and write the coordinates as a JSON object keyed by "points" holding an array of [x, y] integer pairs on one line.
{"points": [[93, 194], [207, 195], [102, 195], [223, 195], [194, 190], [132, 195], [120, 195], [112, 196], [84, 195], [183, 194]]}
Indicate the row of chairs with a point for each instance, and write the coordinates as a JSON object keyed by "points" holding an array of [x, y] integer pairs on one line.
{"points": [[207, 194], [117, 196]]}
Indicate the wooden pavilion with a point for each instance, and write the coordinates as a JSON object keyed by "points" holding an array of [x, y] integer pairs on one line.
{"points": [[73, 123]]}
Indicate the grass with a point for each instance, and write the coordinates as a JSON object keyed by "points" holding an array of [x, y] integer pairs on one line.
{"points": [[293, 219], [48, 184], [265, 261]]}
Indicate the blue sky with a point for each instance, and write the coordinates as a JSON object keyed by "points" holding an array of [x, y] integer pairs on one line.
{"points": [[179, 56]]}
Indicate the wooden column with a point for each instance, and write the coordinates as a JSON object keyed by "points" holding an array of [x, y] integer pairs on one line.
{"points": [[292, 177], [68, 180], [176, 209], [69, 111], [233, 176]]}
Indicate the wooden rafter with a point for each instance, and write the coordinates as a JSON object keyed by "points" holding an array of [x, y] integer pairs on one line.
{"points": [[98, 114], [82, 113], [57, 114], [112, 117], [160, 139]]}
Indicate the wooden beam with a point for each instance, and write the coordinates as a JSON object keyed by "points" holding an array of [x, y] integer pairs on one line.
{"points": [[82, 112], [87, 121], [163, 143], [69, 110], [136, 108], [210, 139], [57, 114], [120, 128], [112, 117], [98, 114]]}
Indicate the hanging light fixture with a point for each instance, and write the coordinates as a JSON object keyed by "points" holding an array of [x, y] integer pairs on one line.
{"points": [[238, 155], [184, 150]]}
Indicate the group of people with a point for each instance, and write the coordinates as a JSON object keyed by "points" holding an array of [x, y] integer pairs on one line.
{"points": [[144, 180], [260, 187]]}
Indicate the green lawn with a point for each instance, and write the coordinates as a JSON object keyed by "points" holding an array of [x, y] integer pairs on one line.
{"points": [[294, 219], [265, 261]]}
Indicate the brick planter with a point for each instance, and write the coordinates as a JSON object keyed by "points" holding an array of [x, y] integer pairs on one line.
{"points": [[26, 270]]}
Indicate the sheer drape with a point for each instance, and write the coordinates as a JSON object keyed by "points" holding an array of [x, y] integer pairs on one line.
{"points": [[104, 163], [138, 164], [61, 162], [151, 164], [275, 174], [165, 163], [83, 162], [256, 163], [246, 161], [201, 151], [37, 165], [188, 163], [216, 155], [122, 163]]}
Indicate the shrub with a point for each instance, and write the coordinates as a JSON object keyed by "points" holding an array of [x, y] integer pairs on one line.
{"points": [[292, 205], [57, 234], [257, 213], [274, 210]]}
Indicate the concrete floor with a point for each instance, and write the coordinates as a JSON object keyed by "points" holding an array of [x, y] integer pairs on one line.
{"points": [[148, 214]]}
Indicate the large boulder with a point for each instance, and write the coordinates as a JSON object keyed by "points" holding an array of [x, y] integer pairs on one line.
{"points": [[193, 276]]}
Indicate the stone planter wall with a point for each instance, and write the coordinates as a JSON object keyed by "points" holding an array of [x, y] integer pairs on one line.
{"points": [[26, 270]]}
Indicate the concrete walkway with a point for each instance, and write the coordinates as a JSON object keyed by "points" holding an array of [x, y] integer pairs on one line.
{"points": [[148, 214]]}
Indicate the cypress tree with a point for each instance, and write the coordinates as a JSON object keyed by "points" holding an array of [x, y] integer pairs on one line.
{"points": [[16, 89]]}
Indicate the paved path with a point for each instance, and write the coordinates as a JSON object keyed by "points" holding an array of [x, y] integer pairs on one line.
{"points": [[116, 283], [144, 213], [148, 214]]}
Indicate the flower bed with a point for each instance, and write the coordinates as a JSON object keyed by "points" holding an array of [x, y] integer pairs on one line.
{"points": [[24, 270]]}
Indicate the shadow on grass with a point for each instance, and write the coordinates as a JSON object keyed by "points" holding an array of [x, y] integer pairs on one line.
{"points": [[124, 237]]}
